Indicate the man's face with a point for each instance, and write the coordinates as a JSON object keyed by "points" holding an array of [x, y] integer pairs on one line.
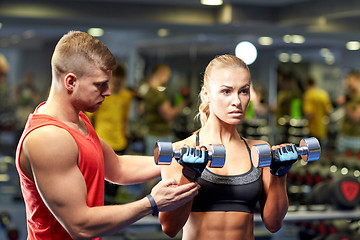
{"points": [[352, 83], [165, 76], [91, 89]]}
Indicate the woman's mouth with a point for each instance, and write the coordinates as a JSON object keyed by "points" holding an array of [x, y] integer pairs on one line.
{"points": [[236, 113]]}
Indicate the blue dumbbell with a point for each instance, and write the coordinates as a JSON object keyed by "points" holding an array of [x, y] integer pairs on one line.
{"points": [[164, 153], [309, 150]]}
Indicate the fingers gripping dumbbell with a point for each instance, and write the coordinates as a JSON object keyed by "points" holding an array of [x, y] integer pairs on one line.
{"points": [[309, 149], [163, 154]]}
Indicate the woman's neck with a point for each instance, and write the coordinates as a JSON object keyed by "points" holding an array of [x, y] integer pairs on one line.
{"points": [[218, 132]]}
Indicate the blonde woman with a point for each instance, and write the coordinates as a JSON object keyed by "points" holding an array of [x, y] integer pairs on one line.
{"points": [[224, 207]]}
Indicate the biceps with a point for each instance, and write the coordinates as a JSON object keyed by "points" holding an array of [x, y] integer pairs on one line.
{"points": [[63, 191]]}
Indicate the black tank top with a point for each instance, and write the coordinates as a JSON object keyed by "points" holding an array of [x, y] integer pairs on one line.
{"points": [[237, 193]]}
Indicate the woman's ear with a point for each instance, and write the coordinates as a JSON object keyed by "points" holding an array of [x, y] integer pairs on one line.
{"points": [[70, 81], [205, 94]]}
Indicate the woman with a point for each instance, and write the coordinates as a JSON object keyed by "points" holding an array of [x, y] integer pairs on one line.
{"points": [[224, 207]]}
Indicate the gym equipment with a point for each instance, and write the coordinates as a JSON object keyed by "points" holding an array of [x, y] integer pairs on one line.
{"points": [[309, 149], [342, 192], [255, 128], [340, 236], [5, 223], [163, 154]]}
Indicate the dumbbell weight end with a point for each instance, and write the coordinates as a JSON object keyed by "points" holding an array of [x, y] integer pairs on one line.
{"points": [[264, 151], [163, 153], [309, 149], [216, 156]]}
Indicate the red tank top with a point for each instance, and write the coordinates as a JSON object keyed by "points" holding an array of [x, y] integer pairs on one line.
{"points": [[41, 224]]}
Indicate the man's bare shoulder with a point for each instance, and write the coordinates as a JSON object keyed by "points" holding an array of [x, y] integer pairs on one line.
{"points": [[48, 149], [49, 141], [47, 133]]}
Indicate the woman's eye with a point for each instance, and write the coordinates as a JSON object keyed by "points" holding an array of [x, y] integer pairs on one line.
{"points": [[245, 91], [225, 91]]}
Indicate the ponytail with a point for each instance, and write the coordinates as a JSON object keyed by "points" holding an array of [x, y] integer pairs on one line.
{"points": [[204, 110]]}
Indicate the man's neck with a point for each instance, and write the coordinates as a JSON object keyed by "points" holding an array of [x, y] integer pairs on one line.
{"points": [[61, 110]]}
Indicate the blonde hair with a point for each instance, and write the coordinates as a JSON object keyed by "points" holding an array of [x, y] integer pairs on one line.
{"points": [[79, 52], [223, 61]]}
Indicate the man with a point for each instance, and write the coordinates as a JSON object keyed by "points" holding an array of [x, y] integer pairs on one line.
{"points": [[349, 134], [158, 110], [62, 163], [317, 108], [6, 103], [111, 121]]}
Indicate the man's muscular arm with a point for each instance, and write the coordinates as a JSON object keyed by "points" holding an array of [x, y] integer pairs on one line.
{"points": [[53, 156], [128, 169]]}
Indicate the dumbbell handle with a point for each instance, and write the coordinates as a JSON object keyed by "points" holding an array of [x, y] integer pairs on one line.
{"points": [[217, 160], [302, 150], [177, 154]]}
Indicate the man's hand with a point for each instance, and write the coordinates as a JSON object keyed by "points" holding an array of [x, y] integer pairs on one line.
{"points": [[168, 195]]}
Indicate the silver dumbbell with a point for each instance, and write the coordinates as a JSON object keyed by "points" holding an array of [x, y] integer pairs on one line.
{"points": [[309, 149], [163, 154]]}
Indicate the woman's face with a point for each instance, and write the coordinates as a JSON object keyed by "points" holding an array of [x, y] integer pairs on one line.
{"points": [[228, 93]]}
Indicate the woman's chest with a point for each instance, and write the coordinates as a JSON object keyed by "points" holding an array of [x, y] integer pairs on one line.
{"points": [[237, 161]]}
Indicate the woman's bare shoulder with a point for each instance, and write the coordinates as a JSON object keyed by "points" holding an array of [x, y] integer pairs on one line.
{"points": [[253, 142], [191, 141]]}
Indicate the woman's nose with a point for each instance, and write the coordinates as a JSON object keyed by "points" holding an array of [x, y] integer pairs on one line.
{"points": [[236, 100]]}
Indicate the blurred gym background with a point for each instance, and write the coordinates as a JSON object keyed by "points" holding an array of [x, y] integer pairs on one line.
{"points": [[285, 43]]}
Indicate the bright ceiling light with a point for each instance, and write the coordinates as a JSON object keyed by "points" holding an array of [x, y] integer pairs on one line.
{"points": [[324, 52], [328, 56], [329, 60], [295, 57], [246, 51], [287, 38], [353, 45], [284, 57], [163, 32], [211, 2], [265, 41], [298, 39], [96, 32]]}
